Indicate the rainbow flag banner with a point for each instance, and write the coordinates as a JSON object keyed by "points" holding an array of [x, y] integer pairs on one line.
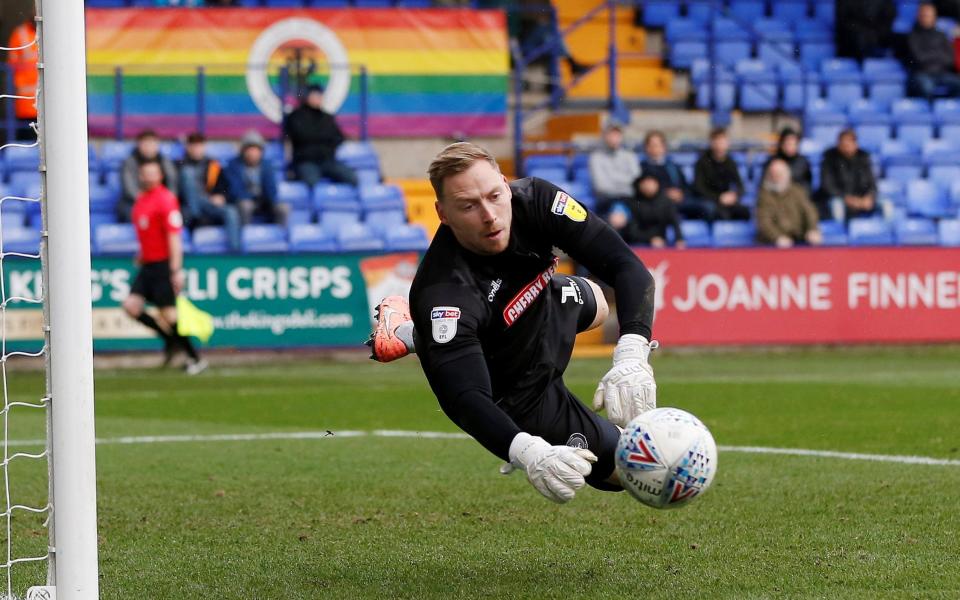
{"points": [[429, 72]]}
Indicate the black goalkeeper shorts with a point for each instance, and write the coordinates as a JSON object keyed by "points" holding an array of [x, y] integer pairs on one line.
{"points": [[559, 417], [153, 283]]}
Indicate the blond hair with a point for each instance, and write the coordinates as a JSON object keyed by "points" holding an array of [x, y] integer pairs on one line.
{"points": [[456, 158]]}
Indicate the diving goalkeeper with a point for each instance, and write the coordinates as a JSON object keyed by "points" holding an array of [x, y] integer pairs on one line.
{"points": [[494, 326]]}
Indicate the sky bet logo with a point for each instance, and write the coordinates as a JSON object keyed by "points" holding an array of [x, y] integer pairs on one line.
{"points": [[445, 313]]}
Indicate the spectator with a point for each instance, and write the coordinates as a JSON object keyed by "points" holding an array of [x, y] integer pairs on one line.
{"points": [[864, 27], [717, 180], [652, 213], [930, 58], [203, 191], [948, 8], [314, 136], [785, 214], [847, 185], [147, 149], [670, 176], [252, 185], [788, 148], [612, 169], [23, 64]]}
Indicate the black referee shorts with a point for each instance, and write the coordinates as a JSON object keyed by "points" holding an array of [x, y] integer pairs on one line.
{"points": [[559, 417], [153, 283]]}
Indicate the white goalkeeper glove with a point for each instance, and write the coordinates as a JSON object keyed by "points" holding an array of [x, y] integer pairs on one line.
{"points": [[556, 471], [628, 388]]}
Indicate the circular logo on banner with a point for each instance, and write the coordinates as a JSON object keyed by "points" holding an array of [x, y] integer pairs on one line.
{"points": [[288, 30]]}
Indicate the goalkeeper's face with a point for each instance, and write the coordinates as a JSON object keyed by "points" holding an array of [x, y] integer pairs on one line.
{"points": [[476, 206]]}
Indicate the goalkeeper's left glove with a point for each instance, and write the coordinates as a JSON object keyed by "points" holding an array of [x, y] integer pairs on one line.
{"points": [[628, 389]]}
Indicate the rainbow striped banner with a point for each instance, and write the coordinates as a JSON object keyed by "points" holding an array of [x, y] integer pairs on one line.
{"points": [[431, 72]]}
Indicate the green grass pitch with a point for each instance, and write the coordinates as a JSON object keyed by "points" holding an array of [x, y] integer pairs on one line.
{"points": [[374, 517]]}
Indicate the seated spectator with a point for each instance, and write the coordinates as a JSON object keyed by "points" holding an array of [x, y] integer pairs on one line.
{"points": [[651, 214], [612, 169], [785, 214], [314, 136], [252, 185], [930, 58], [788, 150], [656, 162], [203, 191], [147, 149], [717, 180], [847, 185]]}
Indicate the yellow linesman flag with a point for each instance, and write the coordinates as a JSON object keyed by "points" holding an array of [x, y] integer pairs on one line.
{"points": [[191, 321]]}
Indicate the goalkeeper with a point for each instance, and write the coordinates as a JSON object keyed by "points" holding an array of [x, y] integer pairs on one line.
{"points": [[494, 327]]}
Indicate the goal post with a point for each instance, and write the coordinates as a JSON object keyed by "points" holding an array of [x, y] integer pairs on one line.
{"points": [[65, 243]]}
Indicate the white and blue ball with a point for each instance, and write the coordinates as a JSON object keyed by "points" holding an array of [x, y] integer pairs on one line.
{"points": [[666, 457]]}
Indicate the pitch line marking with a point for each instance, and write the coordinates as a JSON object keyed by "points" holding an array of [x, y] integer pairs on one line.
{"points": [[391, 433]]}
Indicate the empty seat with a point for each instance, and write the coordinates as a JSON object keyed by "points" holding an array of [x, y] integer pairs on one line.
{"points": [[891, 190], [310, 237], [294, 193], [381, 197], [262, 238], [382, 221], [916, 232], [949, 232], [834, 233], [944, 175], [915, 134], [210, 240], [904, 168], [116, 238], [734, 234], [546, 161], [368, 177], [358, 155], [333, 220], [222, 151], [356, 237], [870, 232], [406, 238], [657, 13], [790, 10], [19, 158], [926, 199], [21, 240], [696, 233], [113, 153], [748, 10]]}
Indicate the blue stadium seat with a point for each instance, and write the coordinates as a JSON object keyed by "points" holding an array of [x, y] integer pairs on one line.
{"points": [[949, 232], [891, 148], [548, 161], [775, 46], [944, 175], [555, 175], [728, 52], [17, 158], [117, 238], [686, 39], [950, 131], [21, 240], [356, 237], [381, 197], [832, 66], [886, 92], [915, 134], [903, 168], [734, 234], [187, 240], [926, 199], [942, 151], [946, 107], [790, 10], [294, 193], [758, 86], [870, 232], [103, 198], [891, 190], [328, 3], [725, 28], [811, 30], [748, 10], [916, 232], [113, 153], [335, 195], [309, 237], [368, 177], [333, 220], [210, 240], [800, 87], [406, 238], [703, 10], [358, 155], [25, 183], [106, 3], [955, 195], [300, 216], [283, 3], [696, 233], [909, 107], [843, 87], [273, 153], [101, 218], [834, 233], [657, 13], [825, 11], [223, 151], [812, 53], [382, 221], [172, 149], [263, 238]]}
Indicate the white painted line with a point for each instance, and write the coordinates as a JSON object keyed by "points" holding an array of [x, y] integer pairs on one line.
{"points": [[451, 435]]}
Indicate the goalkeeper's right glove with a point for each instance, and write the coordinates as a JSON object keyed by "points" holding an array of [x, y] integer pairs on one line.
{"points": [[556, 471]]}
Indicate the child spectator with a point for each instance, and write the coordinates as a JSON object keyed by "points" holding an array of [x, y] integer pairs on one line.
{"points": [[651, 214]]}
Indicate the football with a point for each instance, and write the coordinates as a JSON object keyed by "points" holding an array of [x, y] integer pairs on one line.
{"points": [[666, 457]]}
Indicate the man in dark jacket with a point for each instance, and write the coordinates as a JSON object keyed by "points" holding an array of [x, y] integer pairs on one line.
{"points": [[203, 191], [252, 185], [314, 136], [716, 179], [147, 149], [930, 58], [788, 150], [651, 214], [847, 184], [864, 27]]}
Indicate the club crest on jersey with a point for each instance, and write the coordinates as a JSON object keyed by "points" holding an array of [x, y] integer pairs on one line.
{"points": [[443, 320], [564, 205]]}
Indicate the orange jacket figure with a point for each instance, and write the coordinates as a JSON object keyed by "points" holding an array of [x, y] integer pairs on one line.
{"points": [[24, 65]]}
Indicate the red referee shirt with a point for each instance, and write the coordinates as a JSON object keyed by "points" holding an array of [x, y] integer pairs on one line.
{"points": [[156, 214]]}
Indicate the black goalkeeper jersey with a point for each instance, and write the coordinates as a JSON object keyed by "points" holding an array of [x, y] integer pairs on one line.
{"points": [[482, 323]]}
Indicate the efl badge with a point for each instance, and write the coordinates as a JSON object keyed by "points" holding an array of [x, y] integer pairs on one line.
{"points": [[444, 321], [568, 207]]}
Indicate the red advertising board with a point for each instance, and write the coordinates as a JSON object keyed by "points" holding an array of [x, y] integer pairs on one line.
{"points": [[806, 296]]}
